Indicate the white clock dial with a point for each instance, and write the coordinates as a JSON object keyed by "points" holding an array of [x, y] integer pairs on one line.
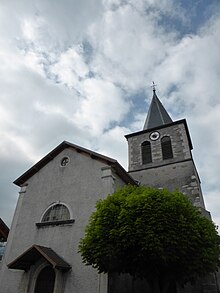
{"points": [[154, 135]]}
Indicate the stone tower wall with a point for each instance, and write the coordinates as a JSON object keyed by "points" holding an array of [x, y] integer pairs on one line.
{"points": [[181, 176], [178, 172], [180, 146]]}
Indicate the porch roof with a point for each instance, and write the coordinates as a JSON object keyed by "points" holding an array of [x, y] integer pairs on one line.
{"points": [[33, 254]]}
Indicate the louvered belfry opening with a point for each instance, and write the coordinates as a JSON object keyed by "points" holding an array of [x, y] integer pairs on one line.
{"points": [[45, 281], [166, 146], [146, 152]]}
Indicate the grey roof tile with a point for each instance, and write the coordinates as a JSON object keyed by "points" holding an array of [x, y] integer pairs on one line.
{"points": [[157, 115]]}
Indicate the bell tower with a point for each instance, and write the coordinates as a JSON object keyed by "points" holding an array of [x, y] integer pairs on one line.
{"points": [[160, 155]]}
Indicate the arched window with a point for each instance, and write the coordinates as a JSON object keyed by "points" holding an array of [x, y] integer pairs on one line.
{"points": [[146, 152], [45, 281], [57, 212], [166, 146]]}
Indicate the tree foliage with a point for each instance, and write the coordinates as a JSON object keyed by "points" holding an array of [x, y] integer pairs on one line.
{"points": [[152, 234]]}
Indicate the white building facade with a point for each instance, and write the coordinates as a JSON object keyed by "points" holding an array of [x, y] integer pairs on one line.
{"points": [[56, 199]]}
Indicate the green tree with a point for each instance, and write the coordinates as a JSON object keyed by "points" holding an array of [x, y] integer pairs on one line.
{"points": [[152, 234]]}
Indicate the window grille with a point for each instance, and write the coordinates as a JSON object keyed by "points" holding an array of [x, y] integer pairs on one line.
{"points": [[58, 212]]}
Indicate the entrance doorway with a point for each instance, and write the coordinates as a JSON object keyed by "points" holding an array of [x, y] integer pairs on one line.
{"points": [[45, 281]]}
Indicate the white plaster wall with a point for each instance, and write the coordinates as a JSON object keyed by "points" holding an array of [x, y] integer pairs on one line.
{"points": [[8, 276], [79, 185]]}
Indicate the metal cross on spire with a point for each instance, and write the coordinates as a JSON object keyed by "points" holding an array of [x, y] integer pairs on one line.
{"points": [[157, 114], [153, 86]]}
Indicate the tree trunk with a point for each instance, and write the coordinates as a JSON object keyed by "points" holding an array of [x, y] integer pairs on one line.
{"points": [[161, 286], [155, 286], [168, 286], [165, 286]]}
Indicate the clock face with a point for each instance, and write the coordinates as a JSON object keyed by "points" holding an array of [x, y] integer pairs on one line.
{"points": [[154, 135]]}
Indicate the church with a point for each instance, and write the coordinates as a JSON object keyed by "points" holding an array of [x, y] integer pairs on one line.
{"points": [[58, 194]]}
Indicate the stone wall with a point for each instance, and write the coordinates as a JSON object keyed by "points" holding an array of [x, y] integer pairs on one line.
{"points": [[180, 146], [181, 176]]}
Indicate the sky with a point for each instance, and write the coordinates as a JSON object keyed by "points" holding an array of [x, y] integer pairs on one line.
{"points": [[82, 71]]}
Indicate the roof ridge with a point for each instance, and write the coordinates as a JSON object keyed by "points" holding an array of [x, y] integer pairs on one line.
{"points": [[65, 144]]}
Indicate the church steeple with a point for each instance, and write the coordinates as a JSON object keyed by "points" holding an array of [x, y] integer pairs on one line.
{"points": [[157, 115], [160, 155]]}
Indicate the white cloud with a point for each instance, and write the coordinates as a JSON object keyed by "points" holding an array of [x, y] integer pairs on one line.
{"points": [[29, 29], [72, 71], [70, 67], [102, 105], [128, 34], [213, 205], [114, 144]]}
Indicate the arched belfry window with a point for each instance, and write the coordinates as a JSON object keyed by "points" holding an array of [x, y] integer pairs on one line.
{"points": [[45, 281], [146, 152], [57, 212], [166, 147]]}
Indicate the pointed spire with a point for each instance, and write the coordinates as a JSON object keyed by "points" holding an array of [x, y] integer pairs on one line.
{"points": [[157, 115]]}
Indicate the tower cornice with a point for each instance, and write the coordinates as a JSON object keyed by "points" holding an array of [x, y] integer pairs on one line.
{"points": [[182, 121]]}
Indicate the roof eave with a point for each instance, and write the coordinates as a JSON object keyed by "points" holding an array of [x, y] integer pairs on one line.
{"points": [[4, 230], [20, 181]]}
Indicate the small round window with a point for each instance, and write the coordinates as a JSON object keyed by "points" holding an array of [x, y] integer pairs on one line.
{"points": [[64, 161]]}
